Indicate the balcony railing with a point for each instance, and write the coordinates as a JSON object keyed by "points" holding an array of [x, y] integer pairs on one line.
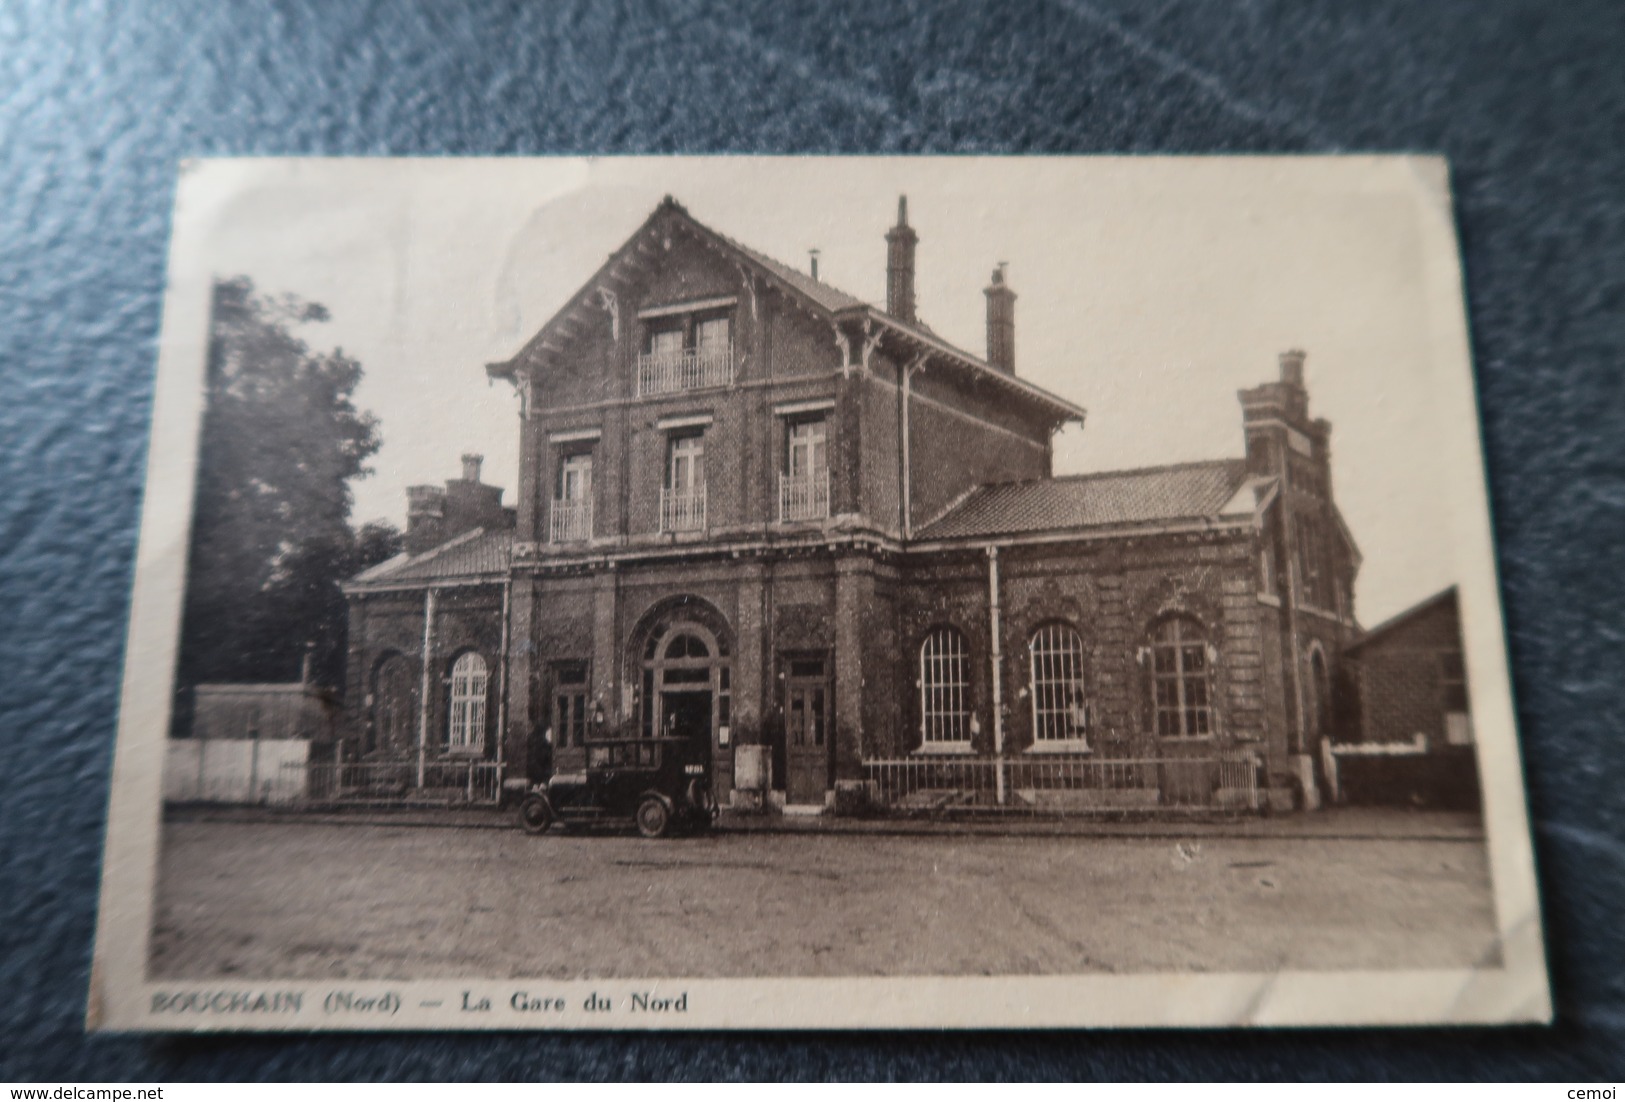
{"points": [[804, 496], [682, 512], [570, 521], [689, 369]]}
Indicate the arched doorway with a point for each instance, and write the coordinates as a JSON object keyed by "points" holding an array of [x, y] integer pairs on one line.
{"points": [[394, 708], [679, 660], [687, 684]]}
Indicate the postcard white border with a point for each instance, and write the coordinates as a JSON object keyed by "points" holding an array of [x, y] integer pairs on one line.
{"points": [[121, 998]]}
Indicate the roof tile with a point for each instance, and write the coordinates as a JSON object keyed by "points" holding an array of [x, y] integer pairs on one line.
{"points": [[1186, 491], [830, 298], [475, 554]]}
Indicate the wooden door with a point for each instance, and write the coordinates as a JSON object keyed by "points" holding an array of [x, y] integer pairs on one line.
{"points": [[807, 735], [395, 708]]}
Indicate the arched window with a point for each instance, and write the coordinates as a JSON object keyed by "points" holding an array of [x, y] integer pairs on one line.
{"points": [[687, 646], [944, 688], [1179, 679], [1056, 655], [467, 730]]}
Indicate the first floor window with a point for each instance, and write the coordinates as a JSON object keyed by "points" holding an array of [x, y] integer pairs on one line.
{"points": [[807, 456], [1056, 655], [685, 464], [682, 503], [468, 680], [575, 476], [944, 685], [1179, 679]]}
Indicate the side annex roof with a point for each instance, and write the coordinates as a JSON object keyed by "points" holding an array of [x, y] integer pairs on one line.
{"points": [[1400, 619], [475, 556], [1147, 496]]}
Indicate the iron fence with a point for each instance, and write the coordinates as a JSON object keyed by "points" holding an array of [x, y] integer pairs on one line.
{"points": [[1063, 784], [442, 783]]}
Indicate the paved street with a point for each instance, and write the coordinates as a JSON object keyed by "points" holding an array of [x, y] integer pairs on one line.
{"points": [[295, 899]]}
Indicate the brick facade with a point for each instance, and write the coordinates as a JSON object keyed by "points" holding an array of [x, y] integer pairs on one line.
{"points": [[940, 503], [1405, 683]]}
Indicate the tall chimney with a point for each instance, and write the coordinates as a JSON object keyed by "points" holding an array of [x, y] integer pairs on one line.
{"points": [[1292, 367], [1001, 323], [814, 254], [900, 242], [425, 512], [471, 467]]}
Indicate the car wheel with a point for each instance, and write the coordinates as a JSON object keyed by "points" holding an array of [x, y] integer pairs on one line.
{"points": [[653, 818], [535, 814]]}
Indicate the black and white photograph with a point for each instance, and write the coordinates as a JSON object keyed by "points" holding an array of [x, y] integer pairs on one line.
{"points": [[747, 592]]}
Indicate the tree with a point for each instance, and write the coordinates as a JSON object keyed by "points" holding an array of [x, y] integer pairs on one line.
{"points": [[271, 536]]}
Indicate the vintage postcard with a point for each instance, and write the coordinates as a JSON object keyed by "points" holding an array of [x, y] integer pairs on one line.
{"points": [[734, 592]]}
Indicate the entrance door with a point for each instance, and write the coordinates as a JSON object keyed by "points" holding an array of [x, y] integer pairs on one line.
{"points": [[687, 714], [395, 708], [806, 732]]}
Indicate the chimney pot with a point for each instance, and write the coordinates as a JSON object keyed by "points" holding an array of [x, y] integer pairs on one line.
{"points": [[471, 467], [813, 253]]}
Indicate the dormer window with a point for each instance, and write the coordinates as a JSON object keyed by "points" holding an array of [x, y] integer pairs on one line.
{"points": [[713, 336], [666, 343], [686, 347]]}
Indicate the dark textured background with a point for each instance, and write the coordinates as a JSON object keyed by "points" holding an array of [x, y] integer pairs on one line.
{"points": [[99, 100]]}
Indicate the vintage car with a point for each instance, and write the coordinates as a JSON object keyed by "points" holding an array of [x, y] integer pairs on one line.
{"points": [[659, 784]]}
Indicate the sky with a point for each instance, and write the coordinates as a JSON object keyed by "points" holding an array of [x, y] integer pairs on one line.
{"points": [[1149, 291]]}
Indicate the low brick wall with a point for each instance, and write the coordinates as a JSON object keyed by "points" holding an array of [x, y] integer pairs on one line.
{"points": [[1446, 779]]}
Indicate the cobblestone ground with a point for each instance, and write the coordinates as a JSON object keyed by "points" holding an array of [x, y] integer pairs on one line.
{"points": [[272, 900]]}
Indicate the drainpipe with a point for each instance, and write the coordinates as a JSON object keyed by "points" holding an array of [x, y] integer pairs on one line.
{"points": [[502, 679], [425, 685], [996, 658], [1296, 743], [906, 475]]}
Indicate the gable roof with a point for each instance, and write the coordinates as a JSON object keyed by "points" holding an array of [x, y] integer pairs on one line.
{"points": [[1186, 491], [474, 556], [821, 294], [1399, 620], [832, 302]]}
